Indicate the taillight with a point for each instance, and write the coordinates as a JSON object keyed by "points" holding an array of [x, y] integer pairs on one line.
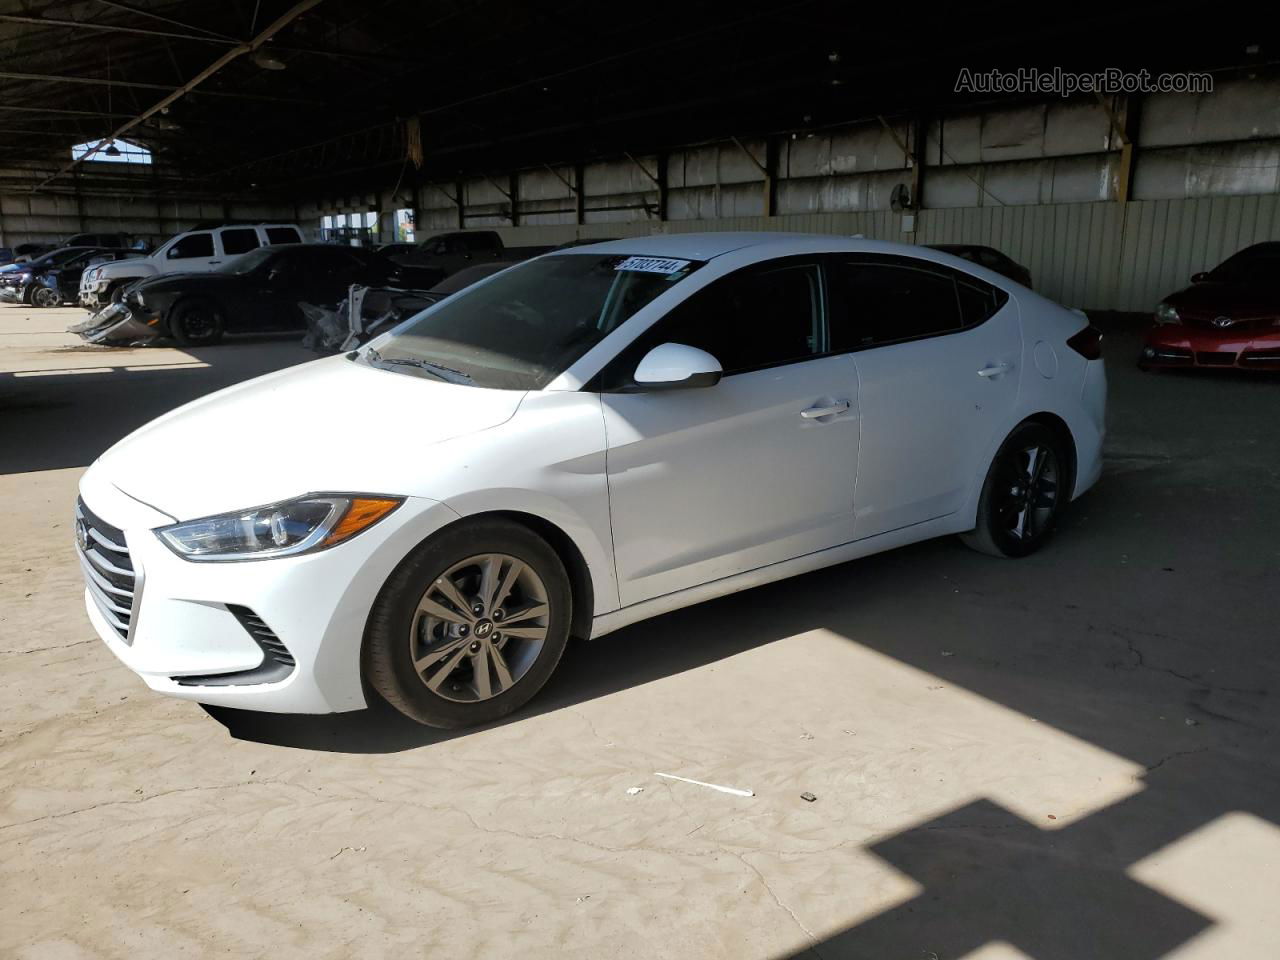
{"points": [[1087, 343]]}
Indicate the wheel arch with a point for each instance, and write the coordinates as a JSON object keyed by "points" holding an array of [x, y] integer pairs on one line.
{"points": [[968, 516], [582, 587], [185, 300]]}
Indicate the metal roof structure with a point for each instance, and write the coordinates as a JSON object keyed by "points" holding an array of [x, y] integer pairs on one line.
{"points": [[288, 97]]}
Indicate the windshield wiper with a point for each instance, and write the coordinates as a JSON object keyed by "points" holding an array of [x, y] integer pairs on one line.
{"points": [[437, 370]]}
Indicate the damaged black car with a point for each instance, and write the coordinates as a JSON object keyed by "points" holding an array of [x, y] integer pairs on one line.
{"points": [[261, 291]]}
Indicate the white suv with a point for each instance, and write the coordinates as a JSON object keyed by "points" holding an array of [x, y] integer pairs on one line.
{"points": [[196, 251]]}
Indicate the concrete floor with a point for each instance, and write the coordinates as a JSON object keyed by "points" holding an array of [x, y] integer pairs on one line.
{"points": [[1070, 756]]}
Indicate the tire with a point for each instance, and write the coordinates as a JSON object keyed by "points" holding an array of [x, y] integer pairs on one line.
{"points": [[1017, 512], [450, 691], [42, 296], [196, 323], [115, 292]]}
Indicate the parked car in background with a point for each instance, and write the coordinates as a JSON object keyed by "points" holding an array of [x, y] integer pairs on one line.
{"points": [[125, 241], [584, 441], [1228, 317], [259, 291], [988, 257], [25, 252], [37, 281], [195, 251], [61, 283], [447, 253]]}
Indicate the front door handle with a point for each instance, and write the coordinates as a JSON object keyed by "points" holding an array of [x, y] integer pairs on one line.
{"points": [[995, 369], [826, 410]]}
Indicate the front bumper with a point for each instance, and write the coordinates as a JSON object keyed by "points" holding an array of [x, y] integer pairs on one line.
{"points": [[192, 628], [115, 324], [13, 294], [1179, 345]]}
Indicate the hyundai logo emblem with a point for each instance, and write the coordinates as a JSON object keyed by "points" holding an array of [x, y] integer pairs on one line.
{"points": [[1222, 321]]}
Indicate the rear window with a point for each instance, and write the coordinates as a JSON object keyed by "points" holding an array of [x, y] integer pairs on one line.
{"points": [[277, 235]]}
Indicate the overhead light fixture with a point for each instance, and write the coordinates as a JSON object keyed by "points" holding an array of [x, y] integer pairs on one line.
{"points": [[267, 62], [112, 150]]}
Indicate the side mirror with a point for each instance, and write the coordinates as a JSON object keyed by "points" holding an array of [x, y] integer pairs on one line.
{"points": [[675, 366], [1200, 277]]}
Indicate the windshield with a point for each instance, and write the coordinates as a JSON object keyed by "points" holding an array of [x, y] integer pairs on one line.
{"points": [[523, 328], [1257, 266]]}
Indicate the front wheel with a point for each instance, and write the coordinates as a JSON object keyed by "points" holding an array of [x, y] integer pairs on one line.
{"points": [[196, 323], [45, 297], [470, 626], [1022, 494]]}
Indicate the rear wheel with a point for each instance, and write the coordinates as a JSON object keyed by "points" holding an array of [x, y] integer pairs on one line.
{"points": [[196, 323], [42, 296], [1022, 494], [470, 626]]}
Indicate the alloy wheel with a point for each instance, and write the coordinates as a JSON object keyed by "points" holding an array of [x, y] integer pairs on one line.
{"points": [[479, 627], [1028, 492]]}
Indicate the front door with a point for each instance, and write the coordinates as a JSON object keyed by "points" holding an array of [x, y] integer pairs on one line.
{"points": [[706, 483]]}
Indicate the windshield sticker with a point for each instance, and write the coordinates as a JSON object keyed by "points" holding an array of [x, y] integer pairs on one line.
{"points": [[663, 265]]}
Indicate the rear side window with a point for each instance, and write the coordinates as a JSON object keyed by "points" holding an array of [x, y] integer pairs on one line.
{"points": [[192, 245], [887, 301], [277, 235], [882, 302], [240, 240]]}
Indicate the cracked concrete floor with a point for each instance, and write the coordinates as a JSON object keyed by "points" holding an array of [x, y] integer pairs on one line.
{"points": [[1069, 756]]}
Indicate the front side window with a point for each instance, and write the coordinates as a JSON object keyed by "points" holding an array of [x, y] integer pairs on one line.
{"points": [[527, 325], [239, 240], [191, 246], [754, 318]]}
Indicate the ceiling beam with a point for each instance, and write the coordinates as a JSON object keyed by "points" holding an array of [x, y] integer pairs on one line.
{"points": [[283, 21], [136, 85], [198, 38]]}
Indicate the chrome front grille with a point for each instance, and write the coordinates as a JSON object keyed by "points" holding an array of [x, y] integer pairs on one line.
{"points": [[108, 569]]}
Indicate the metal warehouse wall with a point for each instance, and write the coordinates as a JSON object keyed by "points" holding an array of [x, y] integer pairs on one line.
{"points": [[1042, 182], [118, 201], [1097, 256]]}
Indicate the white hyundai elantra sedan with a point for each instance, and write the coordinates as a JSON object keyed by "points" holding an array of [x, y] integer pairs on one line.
{"points": [[580, 442]]}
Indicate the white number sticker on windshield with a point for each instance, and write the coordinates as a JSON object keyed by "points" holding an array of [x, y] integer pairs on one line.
{"points": [[652, 265]]}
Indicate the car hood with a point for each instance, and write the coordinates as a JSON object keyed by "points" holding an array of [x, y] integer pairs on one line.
{"points": [[165, 280], [331, 425], [1213, 299]]}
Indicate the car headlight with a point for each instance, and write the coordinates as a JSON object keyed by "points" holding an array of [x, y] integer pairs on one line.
{"points": [[279, 530], [1165, 313], [24, 278]]}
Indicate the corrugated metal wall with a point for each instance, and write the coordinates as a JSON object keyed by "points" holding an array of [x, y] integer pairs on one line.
{"points": [[1091, 255]]}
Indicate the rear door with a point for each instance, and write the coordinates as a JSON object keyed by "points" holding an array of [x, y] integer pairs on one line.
{"points": [[236, 241], [937, 352], [706, 483]]}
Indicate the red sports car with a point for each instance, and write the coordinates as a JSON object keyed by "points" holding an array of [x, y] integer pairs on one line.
{"points": [[1228, 317]]}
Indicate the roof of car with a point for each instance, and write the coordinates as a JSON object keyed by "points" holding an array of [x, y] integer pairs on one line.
{"points": [[706, 246]]}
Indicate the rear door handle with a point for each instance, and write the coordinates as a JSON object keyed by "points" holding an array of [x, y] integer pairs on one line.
{"points": [[827, 410], [995, 369]]}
